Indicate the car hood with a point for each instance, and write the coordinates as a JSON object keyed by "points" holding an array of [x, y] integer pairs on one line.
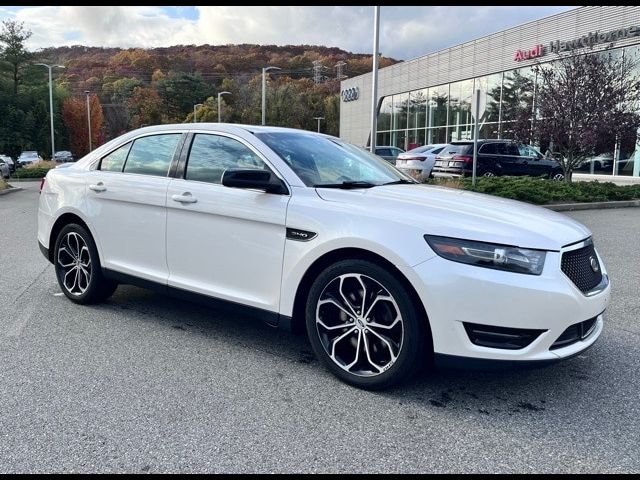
{"points": [[462, 214]]}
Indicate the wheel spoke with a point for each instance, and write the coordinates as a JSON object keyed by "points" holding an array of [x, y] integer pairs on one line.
{"points": [[84, 273], [386, 342], [355, 360], [85, 250], [335, 327], [73, 270], [333, 302], [344, 297], [386, 327], [368, 354], [373, 304]]}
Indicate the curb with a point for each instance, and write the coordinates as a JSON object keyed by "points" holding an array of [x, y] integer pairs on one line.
{"points": [[568, 207], [10, 190]]}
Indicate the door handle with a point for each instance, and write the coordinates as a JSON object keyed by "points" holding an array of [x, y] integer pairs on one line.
{"points": [[184, 198], [98, 188]]}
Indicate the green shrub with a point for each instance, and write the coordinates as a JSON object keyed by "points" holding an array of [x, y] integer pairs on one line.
{"points": [[542, 191], [38, 172]]}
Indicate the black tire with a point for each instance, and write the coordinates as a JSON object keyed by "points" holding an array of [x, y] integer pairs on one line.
{"points": [[413, 328], [488, 174], [97, 288], [556, 176]]}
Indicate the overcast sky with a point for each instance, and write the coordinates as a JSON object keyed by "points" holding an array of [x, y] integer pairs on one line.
{"points": [[406, 32]]}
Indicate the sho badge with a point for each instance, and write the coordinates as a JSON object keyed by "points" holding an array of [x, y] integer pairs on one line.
{"points": [[300, 235]]}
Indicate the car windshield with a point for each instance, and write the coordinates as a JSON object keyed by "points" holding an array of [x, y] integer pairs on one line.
{"points": [[325, 161]]}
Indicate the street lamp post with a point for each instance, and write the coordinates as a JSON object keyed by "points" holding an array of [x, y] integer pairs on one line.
{"points": [[264, 91], [374, 82], [53, 146], [219, 97], [195, 107], [318, 119], [87, 92]]}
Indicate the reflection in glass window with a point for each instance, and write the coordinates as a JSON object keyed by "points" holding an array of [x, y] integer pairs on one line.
{"points": [[418, 108], [399, 119], [115, 160], [491, 87], [460, 98], [384, 116], [438, 106], [152, 155], [211, 155], [517, 93]]}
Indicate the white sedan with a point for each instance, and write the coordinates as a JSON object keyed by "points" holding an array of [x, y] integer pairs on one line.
{"points": [[418, 162], [384, 275]]}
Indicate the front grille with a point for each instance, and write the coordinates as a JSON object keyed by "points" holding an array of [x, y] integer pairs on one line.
{"points": [[501, 337], [574, 333], [582, 267]]}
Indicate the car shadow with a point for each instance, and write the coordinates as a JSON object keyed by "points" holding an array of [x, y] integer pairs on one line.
{"points": [[504, 392]]}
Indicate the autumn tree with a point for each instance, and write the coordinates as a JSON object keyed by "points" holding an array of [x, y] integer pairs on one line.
{"points": [[13, 50], [74, 114], [584, 102], [146, 108]]}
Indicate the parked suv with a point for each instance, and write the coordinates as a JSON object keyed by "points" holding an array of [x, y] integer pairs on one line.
{"points": [[63, 156], [495, 158], [29, 157]]}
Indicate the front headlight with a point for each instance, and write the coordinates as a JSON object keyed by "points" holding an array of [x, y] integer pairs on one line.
{"points": [[488, 255]]}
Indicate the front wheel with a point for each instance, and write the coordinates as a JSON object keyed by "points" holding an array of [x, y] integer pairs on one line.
{"points": [[364, 326], [78, 269], [557, 176]]}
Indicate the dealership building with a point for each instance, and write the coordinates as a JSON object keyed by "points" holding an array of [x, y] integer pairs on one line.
{"points": [[428, 99]]}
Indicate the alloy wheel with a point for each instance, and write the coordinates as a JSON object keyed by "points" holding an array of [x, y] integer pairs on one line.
{"points": [[558, 177], [74, 262], [359, 325], [488, 174]]}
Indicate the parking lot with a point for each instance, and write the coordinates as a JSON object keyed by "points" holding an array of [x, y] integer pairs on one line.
{"points": [[146, 383]]}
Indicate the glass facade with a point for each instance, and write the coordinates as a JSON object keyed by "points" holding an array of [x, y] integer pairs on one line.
{"points": [[442, 114]]}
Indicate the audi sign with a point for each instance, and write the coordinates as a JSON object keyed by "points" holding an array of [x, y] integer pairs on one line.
{"points": [[350, 94]]}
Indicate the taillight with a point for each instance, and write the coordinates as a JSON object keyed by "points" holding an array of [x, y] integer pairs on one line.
{"points": [[463, 158], [42, 184]]}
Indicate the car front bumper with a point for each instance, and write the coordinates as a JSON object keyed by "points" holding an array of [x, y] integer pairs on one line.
{"points": [[454, 294]]}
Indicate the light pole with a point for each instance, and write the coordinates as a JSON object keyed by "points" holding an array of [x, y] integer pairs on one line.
{"points": [[87, 92], [53, 146], [318, 119], [220, 96], [264, 91], [374, 82], [195, 107]]}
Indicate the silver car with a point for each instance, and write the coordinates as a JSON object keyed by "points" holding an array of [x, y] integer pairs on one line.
{"points": [[4, 169], [417, 163]]}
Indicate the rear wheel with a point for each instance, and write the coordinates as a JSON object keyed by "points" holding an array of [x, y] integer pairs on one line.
{"points": [[363, 325], [557, 176], [488, 173], [78, 267]]}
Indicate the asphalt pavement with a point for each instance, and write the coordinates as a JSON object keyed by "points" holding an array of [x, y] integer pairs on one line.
{"points": [[146, 383]]}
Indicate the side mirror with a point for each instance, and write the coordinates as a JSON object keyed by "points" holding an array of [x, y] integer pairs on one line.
{"points": [[250, 178]]}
